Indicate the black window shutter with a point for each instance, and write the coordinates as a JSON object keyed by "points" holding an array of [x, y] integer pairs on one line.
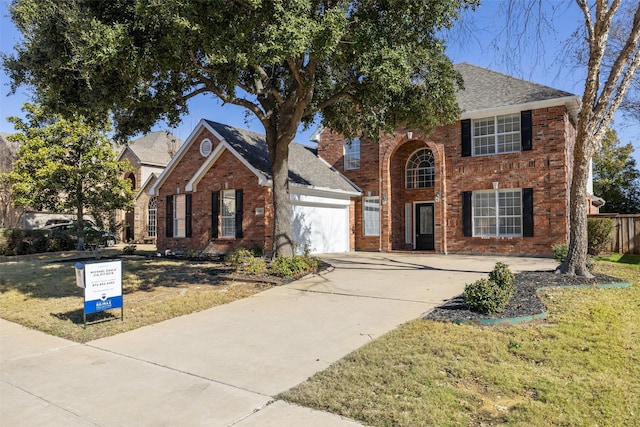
{"points": [[215, 209], [527, 212], [169, 217], [466, 214], [239, 214], [188, 215], [526, 131], [466, 137]]}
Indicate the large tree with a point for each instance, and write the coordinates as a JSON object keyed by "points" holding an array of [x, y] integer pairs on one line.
{"points": [[615, 176], [605, 51], [66, 165], [605, 87], [364, 66]]}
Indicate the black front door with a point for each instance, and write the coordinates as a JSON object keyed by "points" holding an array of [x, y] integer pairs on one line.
{"points": [[424, 227]]}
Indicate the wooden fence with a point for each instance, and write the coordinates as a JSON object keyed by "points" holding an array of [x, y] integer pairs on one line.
{"points": [[625, 238]]}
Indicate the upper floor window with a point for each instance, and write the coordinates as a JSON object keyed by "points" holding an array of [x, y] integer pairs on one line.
{"points": [[352, 153], [420, 169], [499, 134]]}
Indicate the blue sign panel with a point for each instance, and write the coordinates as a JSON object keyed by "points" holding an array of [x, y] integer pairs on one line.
{"points": [[102, 304]]}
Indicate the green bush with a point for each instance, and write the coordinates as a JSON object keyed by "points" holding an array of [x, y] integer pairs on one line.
{"points": [[560, 251], [501, 275], [598, 234], [285, 266], [239, 257], [129, 249], [256, 265], [486, 296], [15, 241]]}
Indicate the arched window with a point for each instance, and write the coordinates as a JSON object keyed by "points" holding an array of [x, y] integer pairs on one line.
{"points": [[420, 169], [153, 217]]}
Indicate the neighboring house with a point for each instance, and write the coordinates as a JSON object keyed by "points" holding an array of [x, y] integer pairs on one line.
{"points": [[148, 156], [496, 181], [215, 195]]}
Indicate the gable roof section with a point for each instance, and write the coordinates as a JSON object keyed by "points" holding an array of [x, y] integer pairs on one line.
{"points": [[154, 148], [306, 169], [487, 90]]}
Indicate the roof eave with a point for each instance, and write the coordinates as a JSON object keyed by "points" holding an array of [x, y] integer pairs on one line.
{"points": [[571, 102]]}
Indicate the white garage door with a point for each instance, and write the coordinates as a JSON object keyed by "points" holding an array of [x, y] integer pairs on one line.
{"points": [[321, 228]]}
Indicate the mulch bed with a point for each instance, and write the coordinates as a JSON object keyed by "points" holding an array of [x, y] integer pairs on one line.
{"points": [[524, 301]]}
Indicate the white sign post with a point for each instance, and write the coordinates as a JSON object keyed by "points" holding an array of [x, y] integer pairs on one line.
{"points": [[102, 283]]}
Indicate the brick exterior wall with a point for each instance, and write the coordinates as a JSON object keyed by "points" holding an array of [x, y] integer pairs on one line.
{"points": [[226, 173], [545, 169]]}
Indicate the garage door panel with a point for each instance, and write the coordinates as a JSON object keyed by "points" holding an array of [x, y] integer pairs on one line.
{"points": [[322, 229]]}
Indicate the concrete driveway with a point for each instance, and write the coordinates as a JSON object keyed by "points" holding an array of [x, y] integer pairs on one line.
{"points": [[222, 366]]}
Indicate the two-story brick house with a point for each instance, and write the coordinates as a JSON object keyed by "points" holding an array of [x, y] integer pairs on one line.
{"points": [[496, 181], [148, 157]]}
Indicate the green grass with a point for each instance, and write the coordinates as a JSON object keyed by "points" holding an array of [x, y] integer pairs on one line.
{"points": [[578, 368], [630, 259], [41, 294]]}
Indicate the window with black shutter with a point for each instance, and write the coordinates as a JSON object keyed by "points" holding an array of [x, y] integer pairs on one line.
{"points": [[169, 217], [215, 211]]}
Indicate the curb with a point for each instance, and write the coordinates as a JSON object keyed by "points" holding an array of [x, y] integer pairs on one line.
{"points": [[538, 316]]}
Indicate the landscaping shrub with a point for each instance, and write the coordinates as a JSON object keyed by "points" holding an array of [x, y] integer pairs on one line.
{"points": [[501, 275], [16, 241], [491, 295], [285, 266], [239, 257], [255, 265], [598, 234], [486, 296], [129, 249], [560, 251]]}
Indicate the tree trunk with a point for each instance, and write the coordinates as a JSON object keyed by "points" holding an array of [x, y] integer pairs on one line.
{"points": [[279, 158], [576, 261]]}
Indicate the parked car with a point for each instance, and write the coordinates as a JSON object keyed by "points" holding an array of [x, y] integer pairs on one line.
{"points": [[57, 221], [92, 233]]}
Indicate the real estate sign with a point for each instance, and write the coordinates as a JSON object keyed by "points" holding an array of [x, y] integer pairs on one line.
{"points": [[103, 286]]}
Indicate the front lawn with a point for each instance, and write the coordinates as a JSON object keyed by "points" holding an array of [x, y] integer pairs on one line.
{"points": [[578, 368], [39, 292]]}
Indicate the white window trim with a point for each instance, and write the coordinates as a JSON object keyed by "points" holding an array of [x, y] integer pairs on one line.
{"points": [[206, 146], [371, 226], [225, 232], [414, 178], [152, 217], [408, 222], [351, 154], [496, 208], [179, 200], [495, 134]]}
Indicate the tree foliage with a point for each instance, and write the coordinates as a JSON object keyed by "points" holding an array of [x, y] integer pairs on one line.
{"points": [[363, 66], [66, 165], [615, 176]]}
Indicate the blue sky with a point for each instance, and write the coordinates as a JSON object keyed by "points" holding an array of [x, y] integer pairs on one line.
{"points": [[482, 42]]}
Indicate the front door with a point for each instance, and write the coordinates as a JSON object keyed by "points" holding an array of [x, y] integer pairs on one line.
{"points": [[425, 240]]}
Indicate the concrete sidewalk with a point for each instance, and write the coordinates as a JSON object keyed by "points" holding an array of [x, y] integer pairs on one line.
{"points": [[222, 366]]}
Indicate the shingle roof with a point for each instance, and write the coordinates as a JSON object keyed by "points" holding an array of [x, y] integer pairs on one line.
{"points": [[155, 148], [485, 89], [305, 167]]}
